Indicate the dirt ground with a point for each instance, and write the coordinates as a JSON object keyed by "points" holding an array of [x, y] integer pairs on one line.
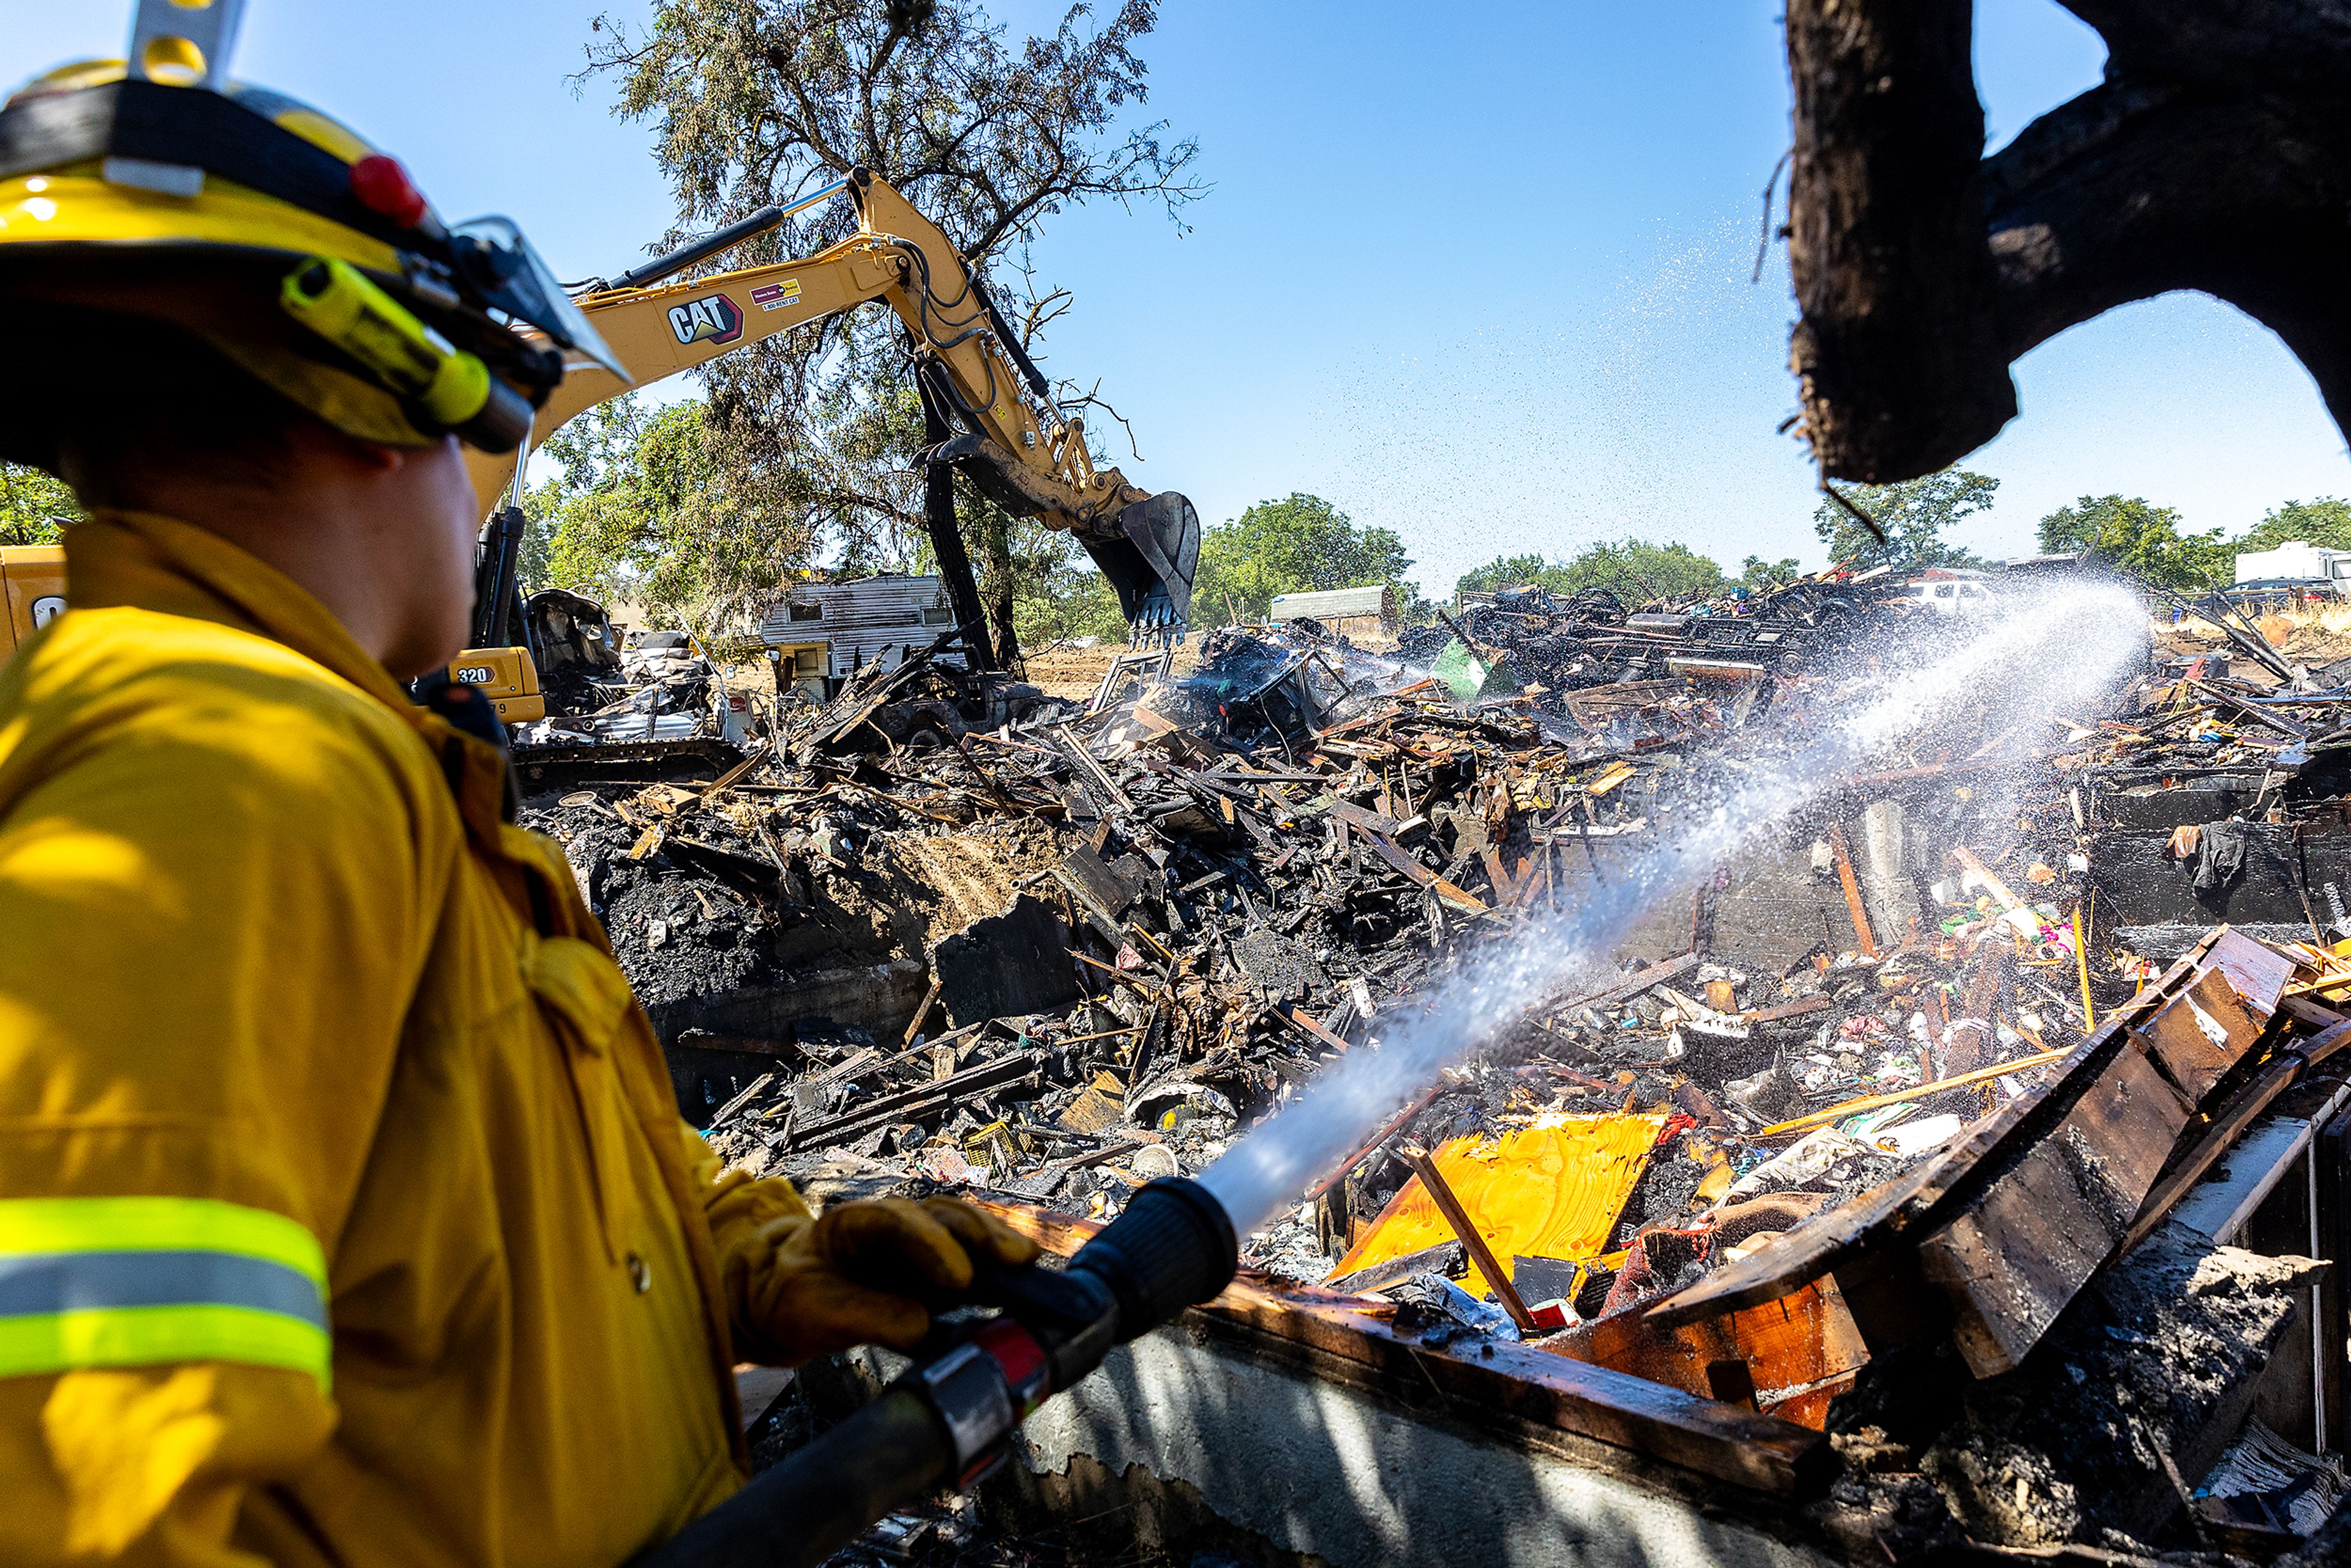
{"points": [[2312, 637], [1061, 672], [1075, 672]]}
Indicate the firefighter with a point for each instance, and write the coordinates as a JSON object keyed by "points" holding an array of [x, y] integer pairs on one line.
{"points": [[346, 1214]]}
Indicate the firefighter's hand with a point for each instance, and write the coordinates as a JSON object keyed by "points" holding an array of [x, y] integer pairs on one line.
{"points": [[872, 1272]]}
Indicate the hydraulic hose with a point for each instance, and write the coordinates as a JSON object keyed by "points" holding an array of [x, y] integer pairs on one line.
{"points": [[951, 1419]]}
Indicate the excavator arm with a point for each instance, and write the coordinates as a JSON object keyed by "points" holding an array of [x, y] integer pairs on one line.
{"points": [[1007, 437]]}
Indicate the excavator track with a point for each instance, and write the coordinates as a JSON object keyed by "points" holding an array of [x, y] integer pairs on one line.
{"points": [[549, 770]]}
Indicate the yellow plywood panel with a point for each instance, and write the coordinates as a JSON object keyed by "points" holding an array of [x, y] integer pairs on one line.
{"points": [[1552, 1190]]}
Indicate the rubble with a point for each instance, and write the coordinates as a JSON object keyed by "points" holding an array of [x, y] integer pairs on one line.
{"points": [[1052, 957], [2155, 1364], [1170, 914]]}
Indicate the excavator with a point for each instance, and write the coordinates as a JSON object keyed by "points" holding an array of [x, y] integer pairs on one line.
{"points": [[987, 412]]}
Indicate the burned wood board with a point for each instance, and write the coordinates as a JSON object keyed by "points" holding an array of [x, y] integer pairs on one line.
{"points": [[2197, 1036], [1797, 1350], [1349, 1340], [2258, 971], [1102, 1105], [2009, 1261], [1108, 889], [1627, 989]]}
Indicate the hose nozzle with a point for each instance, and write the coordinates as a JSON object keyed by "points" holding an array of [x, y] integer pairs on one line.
{"points": [[951, 1420]]}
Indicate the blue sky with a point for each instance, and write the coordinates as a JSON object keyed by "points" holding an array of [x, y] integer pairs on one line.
{"points": [[1477, 274]]}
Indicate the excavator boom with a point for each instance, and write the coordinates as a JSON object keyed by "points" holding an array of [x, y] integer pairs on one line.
{"points": [[1001, 426], [1008, 439]]}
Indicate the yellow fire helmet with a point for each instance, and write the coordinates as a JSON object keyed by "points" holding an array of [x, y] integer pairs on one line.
{"points": [[161, 189]]}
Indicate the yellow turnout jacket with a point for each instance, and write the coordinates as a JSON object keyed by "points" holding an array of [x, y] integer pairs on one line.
{"points": [[346, 1215]]}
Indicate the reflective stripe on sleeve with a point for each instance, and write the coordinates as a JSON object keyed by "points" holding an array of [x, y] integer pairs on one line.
{"points": [[128, 1281]]}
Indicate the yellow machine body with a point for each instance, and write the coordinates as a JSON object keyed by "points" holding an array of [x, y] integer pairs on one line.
{"points": [[671, 327], [33, 583], [506, 676]]}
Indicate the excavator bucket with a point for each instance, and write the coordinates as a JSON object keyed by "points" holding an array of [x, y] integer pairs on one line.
{"points": [[1151, 566]]}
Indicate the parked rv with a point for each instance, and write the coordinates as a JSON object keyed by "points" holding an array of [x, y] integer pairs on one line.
{"points": [[819, 634]]}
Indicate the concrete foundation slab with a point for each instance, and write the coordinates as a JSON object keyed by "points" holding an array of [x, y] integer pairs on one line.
{"points": [[1196, 1438]]}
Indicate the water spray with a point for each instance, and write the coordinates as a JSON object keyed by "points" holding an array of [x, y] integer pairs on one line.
{"points": [[951, 1418], [1257, 1178]]}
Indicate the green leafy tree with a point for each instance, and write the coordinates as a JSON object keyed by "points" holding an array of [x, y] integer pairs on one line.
{"points": [[759, 101], [34, 506], [1757, 572], [1914, 516], [1059, 592], [645, 509], [1295, 545], [1507, 572], [2325, 522], [2141, 538], [1636, 571]]}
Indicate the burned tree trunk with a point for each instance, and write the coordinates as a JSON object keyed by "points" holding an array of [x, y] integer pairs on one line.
{"points": [[2215, 156], [1896, 349]]}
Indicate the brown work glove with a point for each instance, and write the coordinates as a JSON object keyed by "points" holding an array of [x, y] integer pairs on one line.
{"points": [[871, 1273]]}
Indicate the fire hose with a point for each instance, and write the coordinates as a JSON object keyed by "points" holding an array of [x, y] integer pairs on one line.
{"points": [[951, 1418]]}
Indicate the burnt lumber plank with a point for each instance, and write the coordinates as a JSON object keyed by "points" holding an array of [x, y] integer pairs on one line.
{"points": [[1344, 1338], [907, 1104], [2259, 972], [1631, 986], [1420, 875], [2228, 1123], [1447, 1258], [1364, 820], [1779, 1012], [2008, 1263], [2199, 1034]]}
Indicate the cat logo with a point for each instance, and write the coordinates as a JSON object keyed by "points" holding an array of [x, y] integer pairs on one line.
{"points": [[711, 320]]}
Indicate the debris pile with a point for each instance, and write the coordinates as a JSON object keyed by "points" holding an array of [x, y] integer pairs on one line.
{"points": [[1048, 958], [660, 685], [2222, 793], [1064, 955]]}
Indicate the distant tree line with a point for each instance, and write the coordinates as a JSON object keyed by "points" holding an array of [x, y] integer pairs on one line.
{"points": [[1916, 519], [2146, 540], [1636, 571]]}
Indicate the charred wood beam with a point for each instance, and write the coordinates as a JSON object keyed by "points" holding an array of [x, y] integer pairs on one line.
{"points": [[2213, 158]]}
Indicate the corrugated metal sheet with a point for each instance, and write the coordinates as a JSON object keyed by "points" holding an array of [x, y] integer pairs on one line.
{"points": [[861, 622], [1333, 603]]}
